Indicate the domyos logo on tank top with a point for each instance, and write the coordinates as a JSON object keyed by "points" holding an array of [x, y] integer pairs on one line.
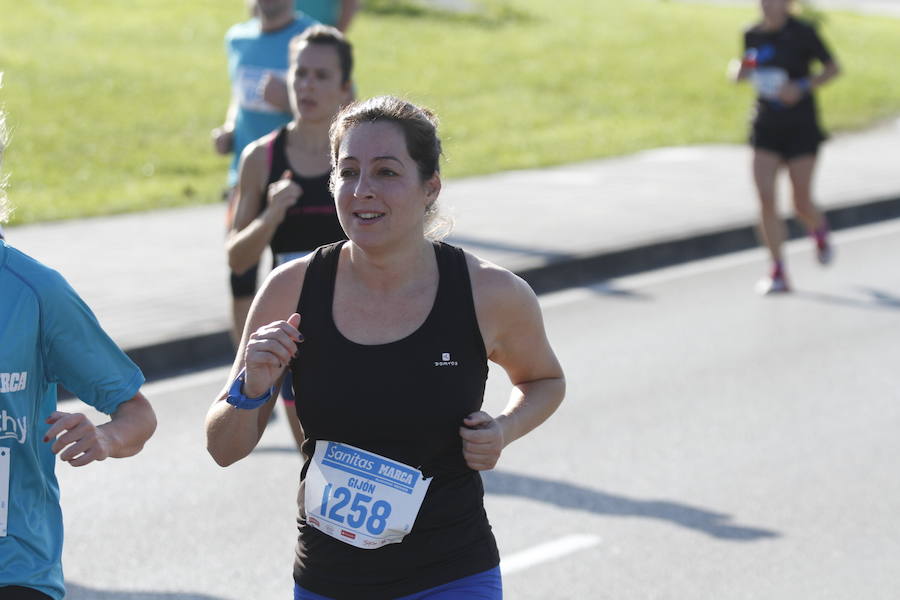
{"points": [[446, 361]]}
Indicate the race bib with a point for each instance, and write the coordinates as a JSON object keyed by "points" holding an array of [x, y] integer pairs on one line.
{"points": [[283, 257], [768, 81], [248, 88], [361, 498], [4, 488]]}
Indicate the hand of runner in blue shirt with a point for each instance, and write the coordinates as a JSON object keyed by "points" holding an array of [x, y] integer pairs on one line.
{"points": [[79, 442]]}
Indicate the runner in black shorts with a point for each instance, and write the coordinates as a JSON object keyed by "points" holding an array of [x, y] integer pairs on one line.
{"points": [[785, 128], [273, 206]]}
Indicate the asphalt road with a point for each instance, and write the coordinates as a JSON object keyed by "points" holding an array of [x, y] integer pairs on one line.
{"points": [[713, 444]]}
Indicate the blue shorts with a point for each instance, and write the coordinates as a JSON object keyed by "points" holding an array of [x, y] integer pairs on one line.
{"points": [[481, 586]]}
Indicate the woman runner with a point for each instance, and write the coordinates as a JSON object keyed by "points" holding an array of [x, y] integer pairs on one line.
{"points": [[283, 198], [785, 128], [389, 363]]}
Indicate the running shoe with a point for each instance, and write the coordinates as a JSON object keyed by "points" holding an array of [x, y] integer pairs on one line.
{"points": [[773, 284], [824, 253]]}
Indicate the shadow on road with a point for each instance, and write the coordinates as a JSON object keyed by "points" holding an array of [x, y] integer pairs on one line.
{"points": [[881, 298], [566, 495], [79, 592], [874, 300], [608, 288]]}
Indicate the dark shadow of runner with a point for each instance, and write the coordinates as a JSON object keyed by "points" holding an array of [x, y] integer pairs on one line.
{"points": [[873, 299], [567, 495]]}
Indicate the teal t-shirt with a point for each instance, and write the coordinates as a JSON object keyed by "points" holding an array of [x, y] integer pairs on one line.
{"points": [[326, 12], [253, 54], [48, 336]]}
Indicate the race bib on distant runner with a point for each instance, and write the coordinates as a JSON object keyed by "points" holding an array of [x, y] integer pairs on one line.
{"points": [[4, 488], [361, 498], [283, 257], [248, 88], [768, 81]]}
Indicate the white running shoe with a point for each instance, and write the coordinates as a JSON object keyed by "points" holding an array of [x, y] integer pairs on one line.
{"points": [[773, 284]]}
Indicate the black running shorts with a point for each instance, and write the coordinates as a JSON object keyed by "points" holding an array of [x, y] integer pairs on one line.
{"points": [[787, 140], [244, 285], [22, 593]]}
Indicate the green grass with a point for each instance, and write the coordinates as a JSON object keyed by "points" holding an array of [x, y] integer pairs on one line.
{"points": [[111, 102]]}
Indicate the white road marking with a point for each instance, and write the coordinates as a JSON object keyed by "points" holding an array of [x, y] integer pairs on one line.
{"points": [[545, 552], [709, 265]]}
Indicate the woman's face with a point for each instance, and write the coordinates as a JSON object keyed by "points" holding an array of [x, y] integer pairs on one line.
{"points": [[380, 197], [775, 9], [314, 83]]}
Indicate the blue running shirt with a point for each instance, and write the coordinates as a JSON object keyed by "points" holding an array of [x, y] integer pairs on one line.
{"points": [[252, 54], [326, 12], [48, 335]]}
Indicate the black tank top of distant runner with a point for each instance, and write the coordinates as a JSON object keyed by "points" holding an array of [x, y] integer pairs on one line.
{"points": [[312, 221], [404, 400], [792, 48]]}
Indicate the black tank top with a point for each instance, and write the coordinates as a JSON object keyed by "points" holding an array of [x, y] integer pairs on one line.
{"points": [[312, 221], [404, 400], [791, 48]]}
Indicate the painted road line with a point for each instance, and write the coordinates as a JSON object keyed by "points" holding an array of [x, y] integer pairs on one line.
{"points": [[546, 552]]}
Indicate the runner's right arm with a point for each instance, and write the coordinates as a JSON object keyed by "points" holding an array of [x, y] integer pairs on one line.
{"points": [[223, 135], [737, 71], [268, 344], [253, 225], [79, 442]]}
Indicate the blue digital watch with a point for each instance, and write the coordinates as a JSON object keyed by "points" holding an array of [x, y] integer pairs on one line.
{"points": [[236, 396]]}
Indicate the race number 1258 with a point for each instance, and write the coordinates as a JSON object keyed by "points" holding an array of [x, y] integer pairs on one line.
{"points": [[359, 513]]}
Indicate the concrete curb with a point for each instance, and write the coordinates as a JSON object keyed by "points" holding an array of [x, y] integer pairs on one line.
{"points": [[190, 353], [583, 270], [214, 349]]}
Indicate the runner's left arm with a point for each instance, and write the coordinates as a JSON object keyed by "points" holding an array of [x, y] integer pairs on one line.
{"points": [[79, 442], [513, 328], [268, 344], [81, 356], [795, 90]]}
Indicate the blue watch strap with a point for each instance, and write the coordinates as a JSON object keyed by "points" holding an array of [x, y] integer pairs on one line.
{"points": [[236, 396]]}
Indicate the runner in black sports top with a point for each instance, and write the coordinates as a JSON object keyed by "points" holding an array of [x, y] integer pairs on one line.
{"points": [[284, 200], [785, 127], [282, 183], [396, 330]]}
